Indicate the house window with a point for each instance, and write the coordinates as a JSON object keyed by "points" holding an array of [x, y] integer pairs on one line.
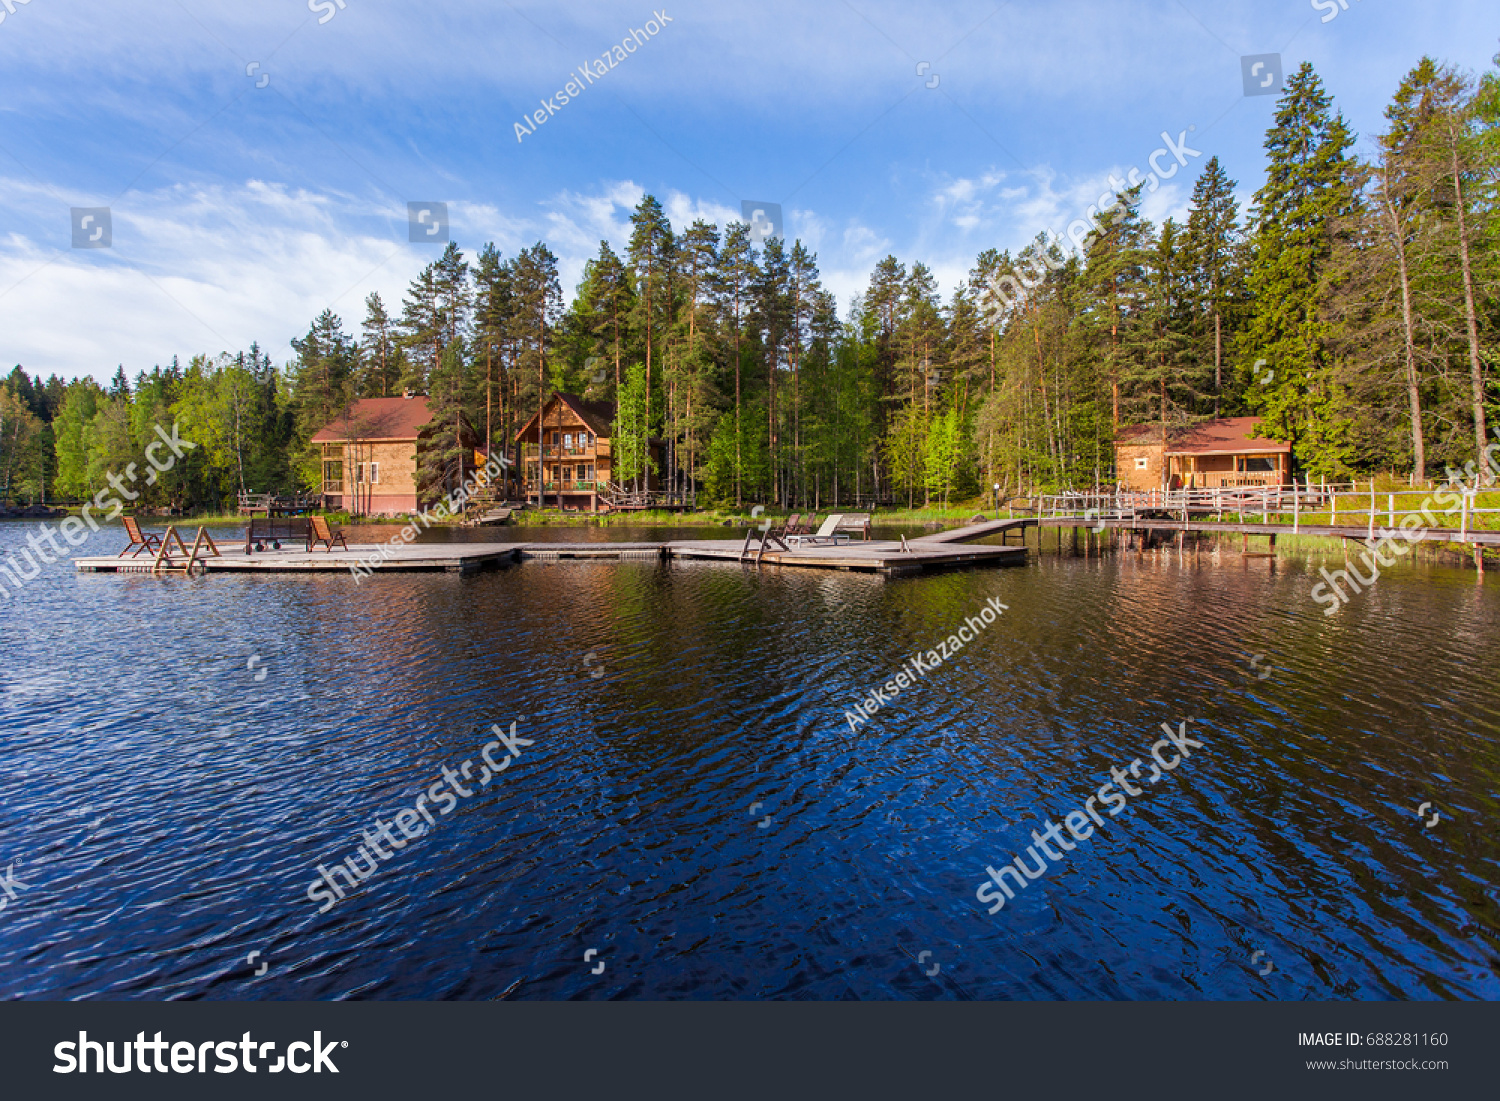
{"points": [[567, 472], [1140, 464], [590, 478], [1256, 464], [568, 440], [374, 474]]}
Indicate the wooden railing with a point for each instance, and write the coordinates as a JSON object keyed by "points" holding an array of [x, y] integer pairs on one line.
{"points": [[1276, 505]]}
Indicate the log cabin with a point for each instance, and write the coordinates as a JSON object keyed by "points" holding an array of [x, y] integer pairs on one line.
{"points": [[1215, 453], [369, 455], [576, 452]]}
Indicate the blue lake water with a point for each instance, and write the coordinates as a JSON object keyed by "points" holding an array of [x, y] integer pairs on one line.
{"points": [[696, 814]]}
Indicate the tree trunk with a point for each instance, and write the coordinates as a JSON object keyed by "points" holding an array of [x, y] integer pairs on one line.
{"points": [[1476, 366], [1414, 399]]}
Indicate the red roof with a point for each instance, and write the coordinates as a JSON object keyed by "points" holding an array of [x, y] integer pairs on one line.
{"points": [[597, 415], [1228, 436], [377, 419]]}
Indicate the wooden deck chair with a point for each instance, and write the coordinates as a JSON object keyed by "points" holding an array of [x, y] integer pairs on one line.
{"points": [[320, 532], [139, 540], [774, 538]]}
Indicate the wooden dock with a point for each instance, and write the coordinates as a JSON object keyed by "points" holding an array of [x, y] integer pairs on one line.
{"points": [[879, 556], [447, 557]]}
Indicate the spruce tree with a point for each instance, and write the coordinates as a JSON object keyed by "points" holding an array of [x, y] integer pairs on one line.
{"points": [[1306, 195]]}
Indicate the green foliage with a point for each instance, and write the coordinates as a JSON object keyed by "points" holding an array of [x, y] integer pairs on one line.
{"points": [[1354, 311]]}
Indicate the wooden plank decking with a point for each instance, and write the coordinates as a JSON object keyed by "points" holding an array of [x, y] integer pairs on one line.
{"points": [[881, 556]]}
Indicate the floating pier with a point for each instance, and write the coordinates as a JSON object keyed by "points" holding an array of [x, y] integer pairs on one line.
{"points": [[876, 556]]}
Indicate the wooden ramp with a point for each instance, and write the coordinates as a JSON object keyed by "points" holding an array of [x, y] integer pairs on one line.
{"points": [[976, 531]]}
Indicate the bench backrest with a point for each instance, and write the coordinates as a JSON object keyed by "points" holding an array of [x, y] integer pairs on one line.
{"points": [[320, 527], [858, 520], [277, 527], [133, 530], [830, 525]]}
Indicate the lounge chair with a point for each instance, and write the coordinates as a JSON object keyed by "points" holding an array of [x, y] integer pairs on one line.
{"points": [[320, 532], [139, 540], [826, 536]]}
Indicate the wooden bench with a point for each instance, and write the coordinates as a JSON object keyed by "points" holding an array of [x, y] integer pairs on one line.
{"points": [[277, 528], [855, 521]]}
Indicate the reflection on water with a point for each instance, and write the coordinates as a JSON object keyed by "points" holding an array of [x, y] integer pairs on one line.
{"points": [[177, 757]]}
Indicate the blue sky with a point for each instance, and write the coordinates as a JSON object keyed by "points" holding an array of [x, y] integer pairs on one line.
{"points": [[242, 206]]}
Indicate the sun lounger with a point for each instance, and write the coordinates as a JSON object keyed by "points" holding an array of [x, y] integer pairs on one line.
{"points": [[826, 536]]}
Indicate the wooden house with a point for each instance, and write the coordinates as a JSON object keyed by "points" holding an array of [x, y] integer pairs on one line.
{"points": [[1216, 453], [574, 453], [369, 454]]}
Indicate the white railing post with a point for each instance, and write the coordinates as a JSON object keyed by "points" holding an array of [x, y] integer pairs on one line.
{"points": [[1390, 510], [1370, 535], [1296, 508], [1463, 530]]}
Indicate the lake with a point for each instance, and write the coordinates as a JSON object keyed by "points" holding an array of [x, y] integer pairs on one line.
{"points": [[698, 809]]}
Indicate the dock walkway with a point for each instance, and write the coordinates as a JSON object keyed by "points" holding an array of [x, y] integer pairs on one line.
{"points": [[880, 556]]}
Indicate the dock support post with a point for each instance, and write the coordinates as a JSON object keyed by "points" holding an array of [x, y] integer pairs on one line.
{"points": [[1479, 559]]}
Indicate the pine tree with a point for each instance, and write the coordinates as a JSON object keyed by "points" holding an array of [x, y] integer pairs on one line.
{"points": [[1307, 191], [736, 276], [537, 298], [382, 359], [1214, 258], [652, 259], [448, 438]]}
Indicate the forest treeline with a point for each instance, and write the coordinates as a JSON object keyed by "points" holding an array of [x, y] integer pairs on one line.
{"points": [[1353, 307]]}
